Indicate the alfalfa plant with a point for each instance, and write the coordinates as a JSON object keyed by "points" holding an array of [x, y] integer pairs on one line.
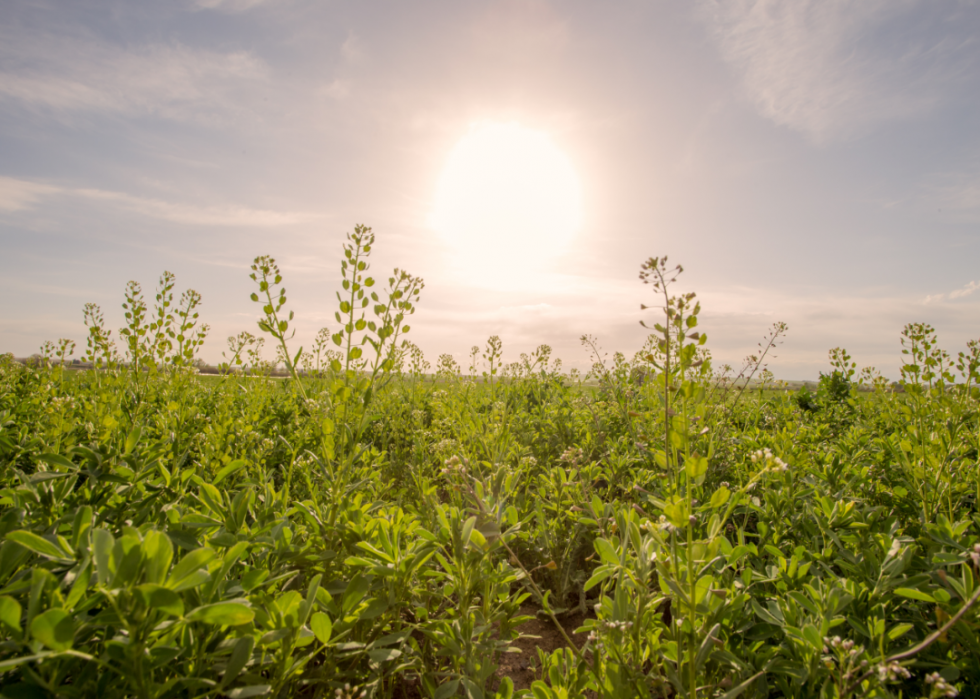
{"points": [[167, 336], [492, 356], [359, 379], [316, 361], [237, 345], [355, 378], [100, 350], [265, 273]]}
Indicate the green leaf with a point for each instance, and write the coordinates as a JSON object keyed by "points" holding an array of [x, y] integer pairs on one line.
{"points": [[899, 631], [55, 629], [162, 598], [80, 586], [127, 555], [255, 690], [738, 689], [914, 594], [14, 662], [224, 472], [812, 634], [322, 627], [81, 525], [187, 573], [541, 691], [132, 439], [447, 690], [159, 553], [356, 589], [696, 467], [42, 476], [381, 655], [223, 614], [601, 574], [10, 613], [57, 460], [240, 655], [40, 546], [253, 578], [102, 544], [506, 689], [720, 497], [606, 552], [309, 602]]}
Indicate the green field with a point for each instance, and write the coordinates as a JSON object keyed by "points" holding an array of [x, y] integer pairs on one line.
{"points": [[382, 527]]}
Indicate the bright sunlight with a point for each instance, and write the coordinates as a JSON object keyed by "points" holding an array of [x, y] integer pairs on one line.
{"points": [[508, 199]]}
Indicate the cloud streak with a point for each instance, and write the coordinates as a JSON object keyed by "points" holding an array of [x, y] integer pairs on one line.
{"points": [[964, 291], [833, 68], [229, 5], [23, 195], [67, 75], [19, 195]]}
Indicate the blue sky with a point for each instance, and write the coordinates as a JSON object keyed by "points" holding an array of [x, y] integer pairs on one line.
{"points": [[816, 163]]}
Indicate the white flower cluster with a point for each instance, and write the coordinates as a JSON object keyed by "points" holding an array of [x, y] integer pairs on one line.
{"points": [[596, 640], [975, 555], [940, 687], [663, 524], [454, 465], [349, 692], [618, 625], [443, 445], [572, 455], [846, 647], [767, 459], [63, 402], [889, 672]]}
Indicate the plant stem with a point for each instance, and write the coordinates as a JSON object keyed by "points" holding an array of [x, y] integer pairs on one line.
{"points": [[928, 641]]}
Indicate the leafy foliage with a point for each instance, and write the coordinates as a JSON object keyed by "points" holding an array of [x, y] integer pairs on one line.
{"points": [[364, 527]]}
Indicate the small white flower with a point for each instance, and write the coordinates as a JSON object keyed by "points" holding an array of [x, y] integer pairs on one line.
{"points": [[889, 672]]}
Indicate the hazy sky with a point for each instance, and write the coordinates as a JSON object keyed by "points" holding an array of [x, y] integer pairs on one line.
{"points": [[811, 162]]}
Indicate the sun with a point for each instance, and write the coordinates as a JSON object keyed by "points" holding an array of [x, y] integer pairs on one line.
{"points": [[508, 201]]}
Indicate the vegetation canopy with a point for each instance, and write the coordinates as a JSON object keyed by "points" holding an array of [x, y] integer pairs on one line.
{"points": [[369, 527]]}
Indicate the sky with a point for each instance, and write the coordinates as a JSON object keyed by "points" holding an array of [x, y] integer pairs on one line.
{"points": [[811, 162]]}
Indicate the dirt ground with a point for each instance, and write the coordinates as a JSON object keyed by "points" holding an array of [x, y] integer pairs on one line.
{"points": [[539, 632]]}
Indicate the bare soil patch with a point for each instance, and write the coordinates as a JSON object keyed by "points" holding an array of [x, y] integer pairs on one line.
{"points": [[524, 668]]}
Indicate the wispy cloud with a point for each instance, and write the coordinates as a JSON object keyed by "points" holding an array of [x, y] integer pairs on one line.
{"points": [[831, 68], [193, 215], [64, 75], [337, 89], [352, 50], [22, 195], [229, 5], [17, 195], [962, 292], [965, 291]]}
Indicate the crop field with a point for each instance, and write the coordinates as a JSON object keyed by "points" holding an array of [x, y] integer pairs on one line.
{"points": [[376, 525]]}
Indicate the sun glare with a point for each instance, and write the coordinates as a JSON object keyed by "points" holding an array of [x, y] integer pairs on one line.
{"points": [[508, 200]]}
